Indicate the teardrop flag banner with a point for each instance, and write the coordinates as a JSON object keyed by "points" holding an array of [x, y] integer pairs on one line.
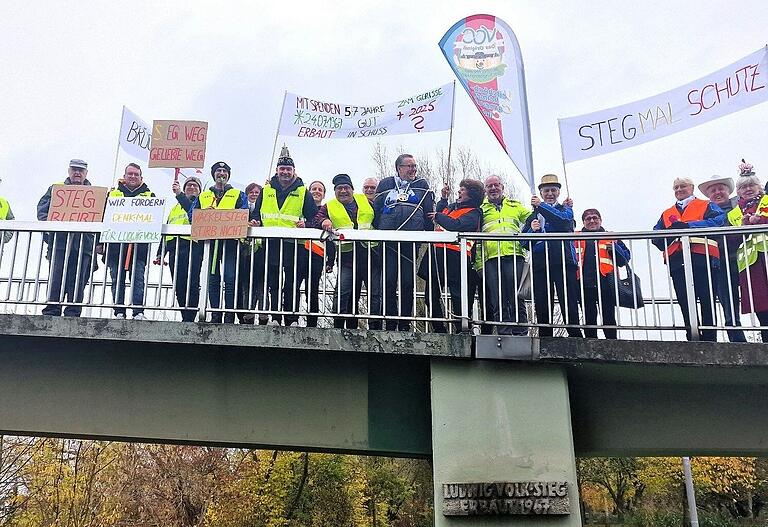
{"points": [[485, 56]]}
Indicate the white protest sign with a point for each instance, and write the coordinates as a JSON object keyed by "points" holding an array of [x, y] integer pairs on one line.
{"points": [[135, 135], [733, 88], [424, 112], [133, 220]]}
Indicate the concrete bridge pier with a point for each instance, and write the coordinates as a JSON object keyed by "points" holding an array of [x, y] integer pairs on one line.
{"points": [[501, 422]]}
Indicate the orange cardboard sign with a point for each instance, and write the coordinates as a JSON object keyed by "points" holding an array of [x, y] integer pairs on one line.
{"points": [[218, 224], [178, 144], [77, 203]]}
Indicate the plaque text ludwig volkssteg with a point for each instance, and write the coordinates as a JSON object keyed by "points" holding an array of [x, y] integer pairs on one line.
{"points": [[505, 497]]}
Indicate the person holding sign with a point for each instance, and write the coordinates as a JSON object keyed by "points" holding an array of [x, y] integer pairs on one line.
{"points": [[554, 262], [185, 255], [352, 211], [70, 254], [284, 202], [223, 253], [128, 259], [689, 212], [402, 203]]}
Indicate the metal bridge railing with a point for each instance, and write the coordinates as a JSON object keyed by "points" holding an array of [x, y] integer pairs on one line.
{"points": [[525, 284]]}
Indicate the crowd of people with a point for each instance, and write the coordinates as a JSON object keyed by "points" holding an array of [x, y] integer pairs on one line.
{"points": [[260, 281]]}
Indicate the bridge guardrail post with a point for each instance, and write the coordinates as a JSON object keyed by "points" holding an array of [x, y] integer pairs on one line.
{"points": [[463, 246], [690, 287], [206, 271]]}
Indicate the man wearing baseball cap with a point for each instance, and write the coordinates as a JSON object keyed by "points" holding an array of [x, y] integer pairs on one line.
{"points": [[68, 275], [223, 253], [718, 190], [358, 263], [284, 202]]}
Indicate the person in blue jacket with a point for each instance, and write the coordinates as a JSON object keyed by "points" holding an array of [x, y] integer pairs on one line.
{"points": [[554, 262]]}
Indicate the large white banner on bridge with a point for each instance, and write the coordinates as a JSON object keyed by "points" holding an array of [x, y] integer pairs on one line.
{"points": [[733, 88], [429, 111]]}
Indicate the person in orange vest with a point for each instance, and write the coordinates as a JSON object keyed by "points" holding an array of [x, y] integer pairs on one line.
{"points": [[596, 272], [312, 257], [689, 212], [441, 266]]}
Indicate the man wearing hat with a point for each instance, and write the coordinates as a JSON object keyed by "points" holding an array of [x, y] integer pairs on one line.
{"points": [[78, 264], [223, 253], [185, 255], [358, 263], [553, 262], [284, 202], [718, 190]]}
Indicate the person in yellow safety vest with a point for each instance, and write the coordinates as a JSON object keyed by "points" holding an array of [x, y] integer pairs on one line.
{"points": [[689, 212], [252, 272], [223, 253], [70, 268], [752, 254], [500, 263], [596, 272], [312, 257], [128, 259], [6, 214], [185, 256], [358, 262], [284, 202], [441, 266]]}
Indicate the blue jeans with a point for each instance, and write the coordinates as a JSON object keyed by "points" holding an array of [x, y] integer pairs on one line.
{"points": [[121, 262], [223, 257]]}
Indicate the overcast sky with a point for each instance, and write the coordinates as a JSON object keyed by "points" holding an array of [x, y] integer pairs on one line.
{"points": [[70, 67]]}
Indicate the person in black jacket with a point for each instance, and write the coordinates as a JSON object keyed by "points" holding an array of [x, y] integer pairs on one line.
{"points": [[402, 203], [441, 266]]}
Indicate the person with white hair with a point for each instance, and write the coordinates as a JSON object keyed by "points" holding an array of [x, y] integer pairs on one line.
{"points": [[751, 256], [690, 212]]}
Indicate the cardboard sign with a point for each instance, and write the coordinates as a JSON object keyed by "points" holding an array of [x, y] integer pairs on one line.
{"points": [[218, 224], [138, 219], [178, 144], [77, 203]]}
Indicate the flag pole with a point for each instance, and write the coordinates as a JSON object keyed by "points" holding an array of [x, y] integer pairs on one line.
{"points": [[450, 135], [277, 135], [562, 158], [117, 150]]}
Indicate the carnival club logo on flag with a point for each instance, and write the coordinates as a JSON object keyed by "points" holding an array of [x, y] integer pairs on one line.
{"points": [[485, 56]]}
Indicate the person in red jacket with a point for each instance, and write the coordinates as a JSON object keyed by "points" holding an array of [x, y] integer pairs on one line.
{"points": [[442, 266], [689, 212]]}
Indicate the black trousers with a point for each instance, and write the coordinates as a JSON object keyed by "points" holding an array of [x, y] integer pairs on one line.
{"points": [[548, 283], [604, 303], [282, 278], [704, 288], [444, 272], [185, 259], [501, 278], [352, 276], [399, 263], [69, 288]]}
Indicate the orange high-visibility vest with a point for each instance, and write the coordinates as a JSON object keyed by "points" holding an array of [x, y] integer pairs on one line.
{"points": [[455, 214], [604, 260], [315, 246], [693, 212]]}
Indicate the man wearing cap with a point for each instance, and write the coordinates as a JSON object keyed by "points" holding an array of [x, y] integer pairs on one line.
{"points": [[185, 255], [554, 262], [689, 212], [718, 190], [369, 188], [223, 253], [358, 263], [596, 273], [124, 259], [284, 202], [402, 203], [69, 272]]}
